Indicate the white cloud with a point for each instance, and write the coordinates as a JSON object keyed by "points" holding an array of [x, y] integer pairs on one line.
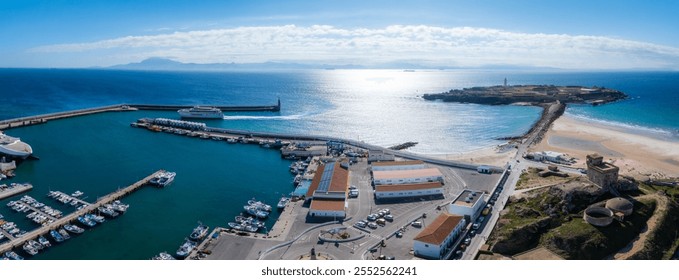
{"points": [[437, 46]]}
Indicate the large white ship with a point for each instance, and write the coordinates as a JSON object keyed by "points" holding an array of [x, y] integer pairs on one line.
{"points": [[14, 147], [200, 112]]}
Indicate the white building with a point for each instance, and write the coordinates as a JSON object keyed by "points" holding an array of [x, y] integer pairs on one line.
{"points": [[379, 155], [549, 156], [437, 239], [397, 165], [408, 190], [414, 176], [328, 208], [468, 204]]}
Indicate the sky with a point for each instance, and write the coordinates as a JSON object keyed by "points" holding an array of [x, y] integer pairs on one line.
{"points": [[576, 34]]}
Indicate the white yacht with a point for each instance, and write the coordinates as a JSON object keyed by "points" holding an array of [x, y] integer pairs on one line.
{"points": [[14, 147], [200, 112]]}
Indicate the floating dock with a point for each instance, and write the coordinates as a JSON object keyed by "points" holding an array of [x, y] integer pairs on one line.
{"points": [[17, 242], [17, 189]]}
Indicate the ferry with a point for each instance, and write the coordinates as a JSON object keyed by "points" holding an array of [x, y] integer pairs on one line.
{"points": [[14, 147], [199, 232], [201, 112]]}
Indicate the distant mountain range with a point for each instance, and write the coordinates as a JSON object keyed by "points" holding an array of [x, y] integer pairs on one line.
{"points": [[157, 63]]}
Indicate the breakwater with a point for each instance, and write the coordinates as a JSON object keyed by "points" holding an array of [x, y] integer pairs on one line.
{"points": [[225, 133], [40, 119]]}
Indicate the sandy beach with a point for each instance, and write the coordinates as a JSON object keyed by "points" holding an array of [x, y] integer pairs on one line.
{"points": [[638, 153]]}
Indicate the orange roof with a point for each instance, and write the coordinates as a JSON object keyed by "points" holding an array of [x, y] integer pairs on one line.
{"points": [[327, 205], [338, 183], [407, 187], [439, 229], [412, 173], [392, 163]]}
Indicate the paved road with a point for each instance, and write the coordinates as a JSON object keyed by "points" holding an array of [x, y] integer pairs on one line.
{"points": [[517, 164]]}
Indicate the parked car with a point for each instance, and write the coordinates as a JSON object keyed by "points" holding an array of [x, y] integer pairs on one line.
{"points": [[372, 225], [389, 217], [381, 221], [372, 217], [360, 224], [417, 224], [476, 226]]}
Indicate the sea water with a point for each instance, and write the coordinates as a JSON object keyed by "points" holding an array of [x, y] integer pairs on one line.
{"points": [[100, 153]]}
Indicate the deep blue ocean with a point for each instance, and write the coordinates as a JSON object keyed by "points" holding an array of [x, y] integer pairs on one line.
{"points": [[100, 153]]}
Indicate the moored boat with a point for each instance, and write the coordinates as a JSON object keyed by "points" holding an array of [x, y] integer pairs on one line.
{"points": [[186, 248], [56, 236], [13, 256], [73, 228], [199, 232], [283, 202], [44, 242], [164, 256]]}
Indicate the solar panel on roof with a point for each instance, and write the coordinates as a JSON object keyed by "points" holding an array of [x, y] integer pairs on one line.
{"points": [[324, 185]]}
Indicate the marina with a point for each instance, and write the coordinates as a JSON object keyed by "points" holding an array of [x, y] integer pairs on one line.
{"points": [[52, 228]]}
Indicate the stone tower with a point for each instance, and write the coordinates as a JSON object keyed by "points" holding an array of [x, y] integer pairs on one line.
{"points": [[602, 173]]}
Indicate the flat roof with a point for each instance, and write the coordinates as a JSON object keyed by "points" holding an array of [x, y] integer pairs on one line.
{"points": [[396, 163], [437, 231], [408, 187], [327, 205], [411, 173], [329, 178], [461, 199]]}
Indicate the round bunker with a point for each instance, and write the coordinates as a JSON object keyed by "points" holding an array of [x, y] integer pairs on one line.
{"points": [[598, 216], [620, 205]]}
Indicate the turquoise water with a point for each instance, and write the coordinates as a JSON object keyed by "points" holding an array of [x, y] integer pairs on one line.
{"points": [[100, 153]]}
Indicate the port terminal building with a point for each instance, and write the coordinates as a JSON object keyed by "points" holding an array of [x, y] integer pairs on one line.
{"points": [[411, 176], [468, 204], [438, 238], [328, 192]]}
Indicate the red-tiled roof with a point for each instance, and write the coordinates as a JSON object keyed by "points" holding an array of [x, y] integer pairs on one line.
{"points": [[439, 229], [407, 187], [338, 183], [327, 205]]}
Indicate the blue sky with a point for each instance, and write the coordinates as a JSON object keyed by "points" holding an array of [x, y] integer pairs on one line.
{"points": [[562, 34]]}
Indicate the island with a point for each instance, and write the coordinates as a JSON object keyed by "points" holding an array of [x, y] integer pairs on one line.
{"points": [[530, 95]]}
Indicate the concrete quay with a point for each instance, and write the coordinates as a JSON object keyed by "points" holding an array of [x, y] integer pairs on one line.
{"points": [[17, 189], [70, 217]]}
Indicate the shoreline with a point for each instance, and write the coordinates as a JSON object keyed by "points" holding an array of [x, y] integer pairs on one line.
{"points": [[637, 153]]}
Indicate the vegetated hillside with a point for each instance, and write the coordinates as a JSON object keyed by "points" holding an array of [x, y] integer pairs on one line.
{"points": [[526, 219], [662, 241]]}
